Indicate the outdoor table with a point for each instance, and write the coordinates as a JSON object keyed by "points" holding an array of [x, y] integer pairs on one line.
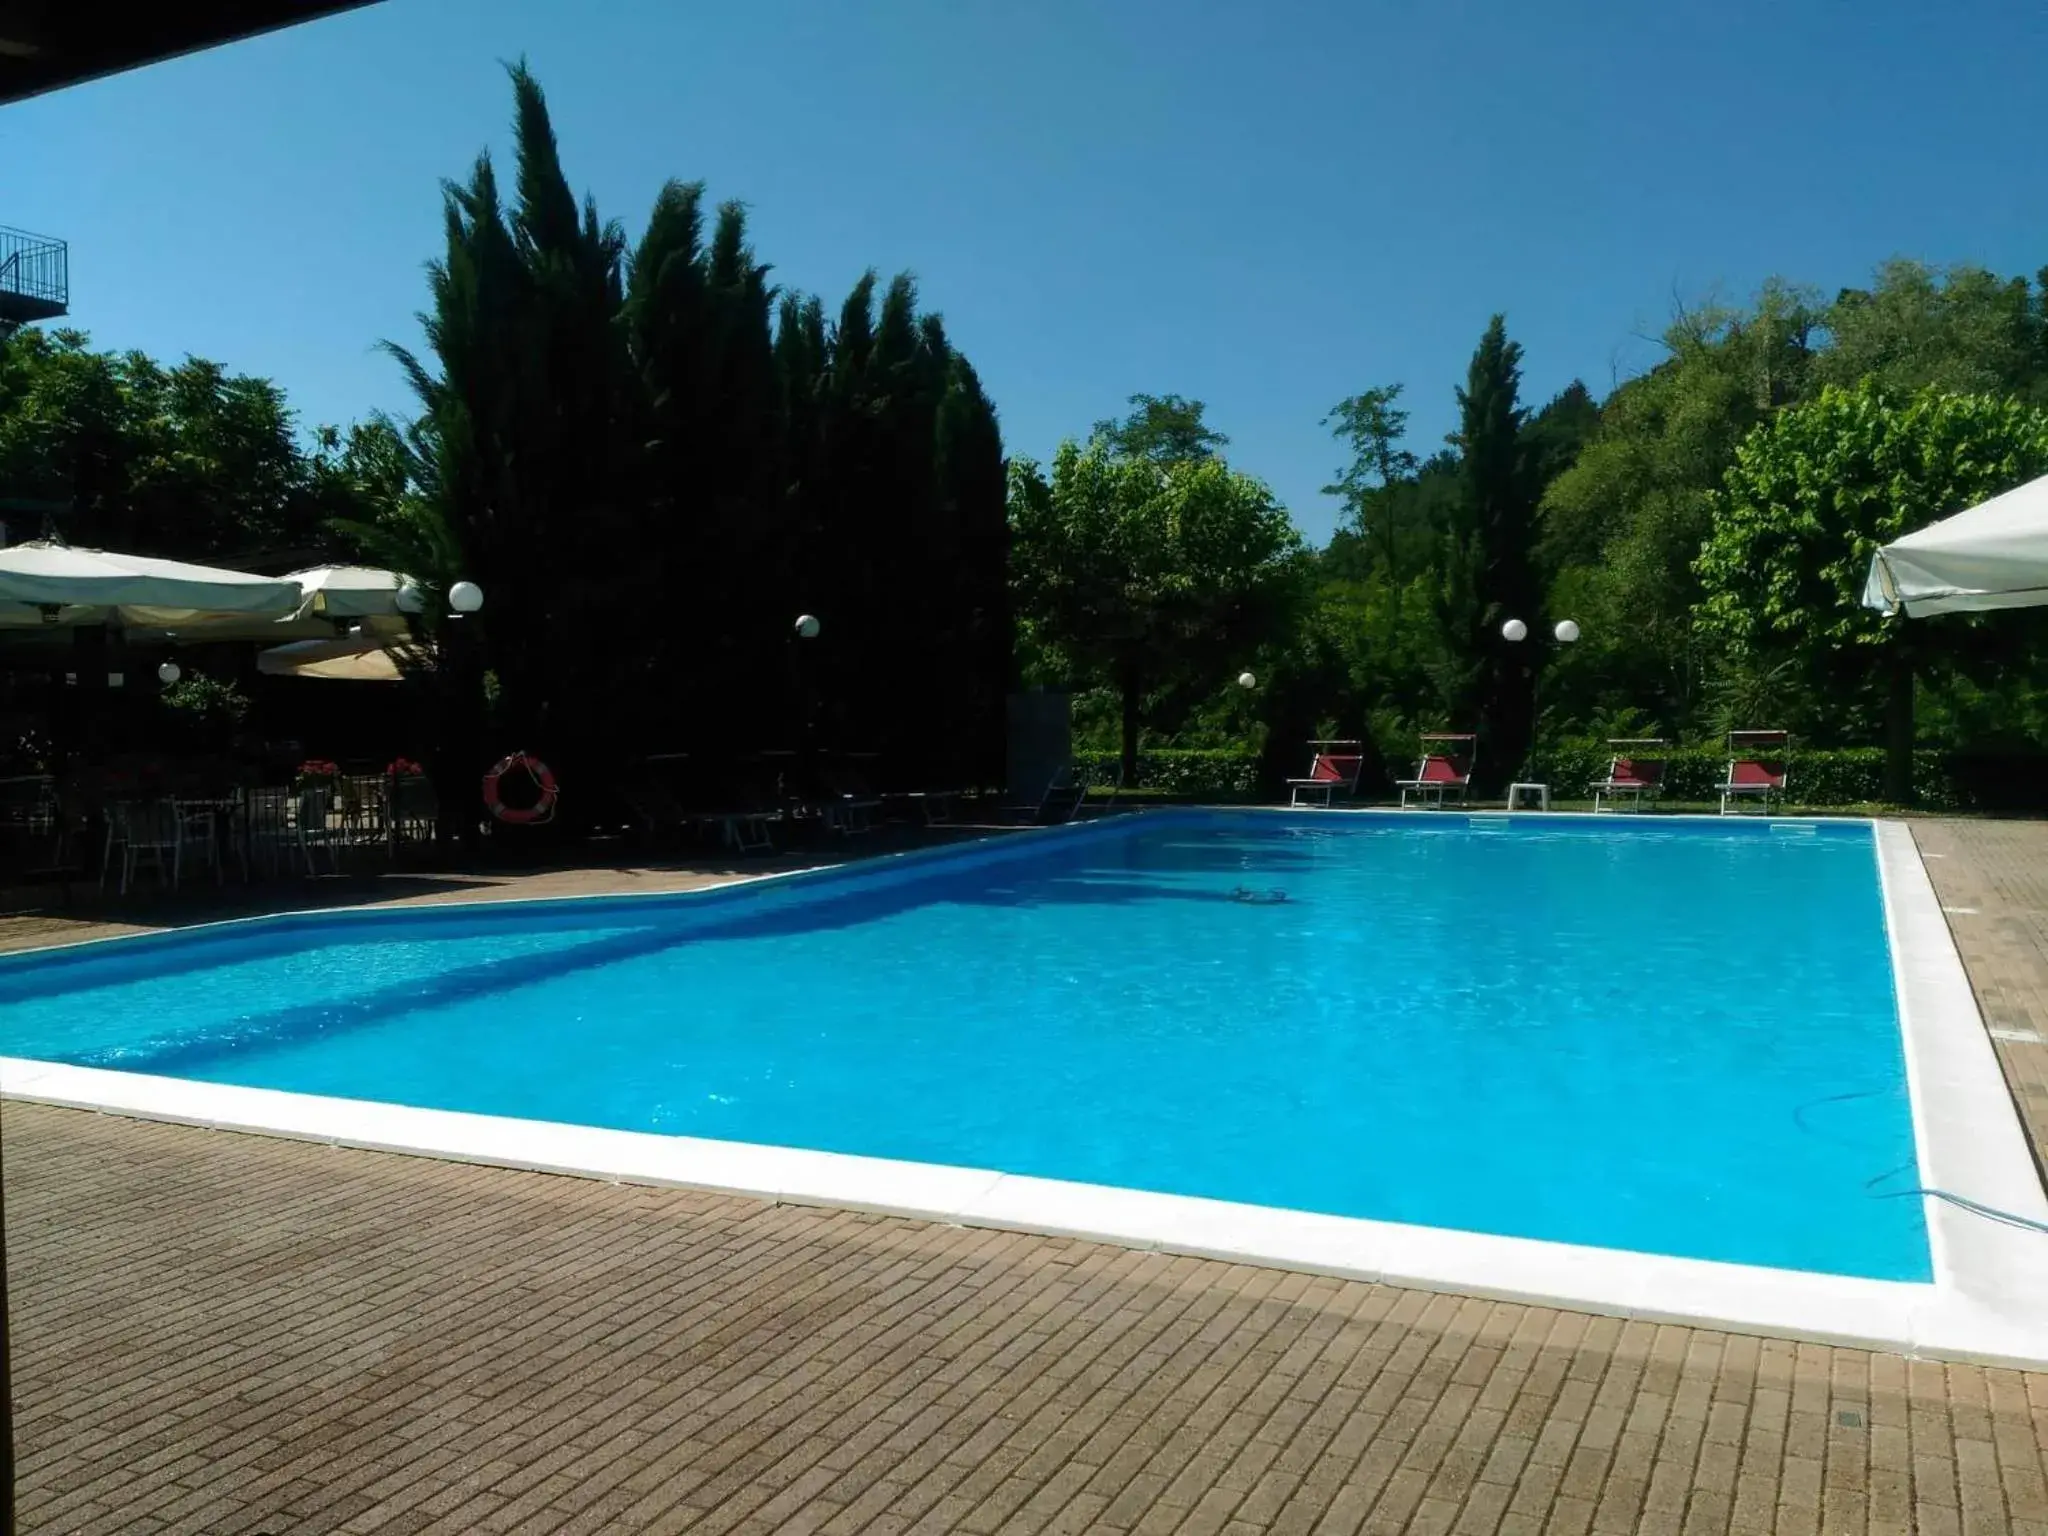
{"points": [[1529, 787]]}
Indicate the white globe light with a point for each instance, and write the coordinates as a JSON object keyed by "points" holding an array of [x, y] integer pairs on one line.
{"points": [[408, 598], [169, 672], [465, 597], [807, 626], [1247, 680], [1567, 630], [1514, 631]]}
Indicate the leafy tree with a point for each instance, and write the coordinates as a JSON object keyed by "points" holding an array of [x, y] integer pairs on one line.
{"points": [[1556, 435], [1809, 498], [1166, 429], [1139, 573], [190, 462], [202, 712], [374, 477], [1620, 526], [1962, 329], [1373, 425]]}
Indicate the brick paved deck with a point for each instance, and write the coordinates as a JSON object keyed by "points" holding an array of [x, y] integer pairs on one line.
{"points": [[217, 1333], [1992, 876]]}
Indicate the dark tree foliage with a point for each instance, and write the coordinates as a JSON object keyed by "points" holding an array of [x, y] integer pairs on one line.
{"points": [[1167, 429], [654, 461], [1489, 572], [189, 462]]}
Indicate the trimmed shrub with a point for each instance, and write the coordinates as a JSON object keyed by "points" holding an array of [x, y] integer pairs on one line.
{"points": [[1193, 773], [1841, 776]]}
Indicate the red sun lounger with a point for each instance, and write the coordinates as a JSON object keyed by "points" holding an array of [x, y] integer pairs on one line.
{"points": [[1758, 766], [1445, 770], [1332, 771]]}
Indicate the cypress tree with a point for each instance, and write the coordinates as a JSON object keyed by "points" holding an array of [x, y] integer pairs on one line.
{"points": [[1488, 574], [654, 463]]}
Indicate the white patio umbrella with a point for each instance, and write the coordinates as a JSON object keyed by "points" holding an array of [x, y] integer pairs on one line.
{"points": [[52, 584], [355, 592], [1992, 556]]}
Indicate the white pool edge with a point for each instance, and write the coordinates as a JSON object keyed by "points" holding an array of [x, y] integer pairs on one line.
{"points": [[1986, 1303]]}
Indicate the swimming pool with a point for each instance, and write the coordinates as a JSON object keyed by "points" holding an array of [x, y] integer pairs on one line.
{"points": [[1669, 1037]]}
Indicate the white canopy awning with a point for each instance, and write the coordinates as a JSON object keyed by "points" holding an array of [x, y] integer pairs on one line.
{"points": [[1992, 556], [350, 591], [44, 583]]}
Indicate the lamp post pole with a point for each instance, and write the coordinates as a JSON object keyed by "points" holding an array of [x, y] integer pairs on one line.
{"points": [[1514, 631], [806, 629], [461, 683]]}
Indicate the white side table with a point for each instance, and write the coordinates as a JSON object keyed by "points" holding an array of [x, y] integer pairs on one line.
{"points": [[1518, 790]]}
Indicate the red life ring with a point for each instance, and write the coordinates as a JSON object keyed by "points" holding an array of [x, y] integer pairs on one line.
{"points": [[544, 780]]}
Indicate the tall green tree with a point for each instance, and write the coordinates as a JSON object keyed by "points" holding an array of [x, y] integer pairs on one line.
{"points": [[1488, 574], [1960, 329], [1167, 429], [1621, 525], [1812, 494], [190, 462], [1372, 425], [1139, 574], [653, 461]]}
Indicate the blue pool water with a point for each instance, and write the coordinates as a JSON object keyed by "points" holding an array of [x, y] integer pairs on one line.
{"points": [[1672, 1037]]}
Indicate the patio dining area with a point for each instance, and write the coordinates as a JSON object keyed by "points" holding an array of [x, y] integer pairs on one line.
{"points": [[170, 825], [152, 715]]}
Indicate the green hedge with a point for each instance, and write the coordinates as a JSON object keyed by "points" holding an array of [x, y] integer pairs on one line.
{"points": [[1838, 777], [1197, 774]]}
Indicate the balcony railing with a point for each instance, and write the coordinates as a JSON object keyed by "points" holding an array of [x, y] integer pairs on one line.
{"points": [[35, 277]]}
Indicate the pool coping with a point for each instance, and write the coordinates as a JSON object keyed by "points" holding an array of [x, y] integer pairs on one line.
{"points": [[1983, 1305]]}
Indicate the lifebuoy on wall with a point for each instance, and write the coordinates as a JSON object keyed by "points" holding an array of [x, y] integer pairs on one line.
{"points": [[547, 792]]}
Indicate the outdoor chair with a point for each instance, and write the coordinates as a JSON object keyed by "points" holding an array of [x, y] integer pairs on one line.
{"points": [[1632, 775], [849, 806], [36, 832], [937, 806], [363, 803], [201, 825], [654, 807], [415, 808], [1061, 802], [1444, 772], [313, 829], [744, 831], [268, 838], [28, 804], [143, 832], [743, 813], [1758, 767], [1100, 790], [1334, 767]]}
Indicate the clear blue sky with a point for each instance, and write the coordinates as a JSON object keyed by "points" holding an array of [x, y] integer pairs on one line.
{"points": [[1265, 206]]}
